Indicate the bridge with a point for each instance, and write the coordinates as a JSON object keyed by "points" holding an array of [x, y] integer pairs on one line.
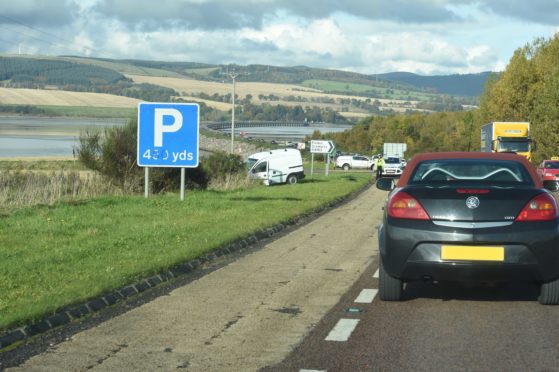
{"points": [[220, 125]]}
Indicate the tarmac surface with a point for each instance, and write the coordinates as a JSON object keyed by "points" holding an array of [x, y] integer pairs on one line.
{"points": [[246, 315]]}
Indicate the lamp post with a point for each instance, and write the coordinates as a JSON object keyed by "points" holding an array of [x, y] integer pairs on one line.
{"points": [[233, 75]]}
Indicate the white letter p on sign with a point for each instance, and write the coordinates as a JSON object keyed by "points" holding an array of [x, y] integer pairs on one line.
{"points": [[161, 128]]}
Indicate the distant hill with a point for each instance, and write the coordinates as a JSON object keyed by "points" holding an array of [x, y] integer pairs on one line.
{"points": [[468, 85], [462, 85], [56, 73]]}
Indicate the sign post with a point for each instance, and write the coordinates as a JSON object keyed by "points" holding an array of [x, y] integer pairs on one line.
{"points": [[168, 136], [322, 147]]}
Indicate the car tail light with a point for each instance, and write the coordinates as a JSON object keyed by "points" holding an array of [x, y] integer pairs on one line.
{"points": [[403, 205], [541, 208]]}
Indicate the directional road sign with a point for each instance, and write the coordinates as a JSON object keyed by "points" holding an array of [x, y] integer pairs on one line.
{"points": [[168, 134], [322, 147]]}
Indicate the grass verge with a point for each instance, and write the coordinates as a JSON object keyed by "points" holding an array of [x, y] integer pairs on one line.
{"points": [[89, 111], [55, 256]]}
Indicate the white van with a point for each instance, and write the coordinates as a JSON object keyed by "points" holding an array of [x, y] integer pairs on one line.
{"points": [[276, 166]]}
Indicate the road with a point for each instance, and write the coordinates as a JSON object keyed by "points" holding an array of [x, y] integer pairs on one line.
{"points": [[244, 316], [439, 327], [307, 301]]}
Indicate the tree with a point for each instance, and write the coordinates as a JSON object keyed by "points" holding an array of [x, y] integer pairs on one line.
{"points": [[528, 90]]}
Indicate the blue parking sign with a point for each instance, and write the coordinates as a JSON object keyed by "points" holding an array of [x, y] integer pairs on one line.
{"points": [[168, 134]]}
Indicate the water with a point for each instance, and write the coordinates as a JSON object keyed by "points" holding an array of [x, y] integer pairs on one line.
{"points": [[26, 136], [51, 146]]}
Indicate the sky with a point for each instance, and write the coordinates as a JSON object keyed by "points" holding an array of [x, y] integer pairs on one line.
{"points": [[428, 37]]}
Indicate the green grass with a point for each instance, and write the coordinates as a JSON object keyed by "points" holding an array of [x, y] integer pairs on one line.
{"points": [[357, 89], [89, 112], [70, 111], [123, 67], [201, 71], [57, 256]]}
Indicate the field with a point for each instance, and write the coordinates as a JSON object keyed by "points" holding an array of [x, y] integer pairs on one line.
{"points": [[85, 104], [13, 96], [83, 249], [89, 111], [188, 87], [349, 88], [123, 68]]}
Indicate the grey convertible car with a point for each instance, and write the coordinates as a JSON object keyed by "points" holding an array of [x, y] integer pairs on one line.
{"points": [[468, 217]]}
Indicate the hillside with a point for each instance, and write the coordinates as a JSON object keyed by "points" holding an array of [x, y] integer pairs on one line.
{"points": [[294, 92], [59, 74], [463, 85], [467, 85]]}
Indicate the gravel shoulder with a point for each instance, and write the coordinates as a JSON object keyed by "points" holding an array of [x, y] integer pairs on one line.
{"points": [[246, 315]]}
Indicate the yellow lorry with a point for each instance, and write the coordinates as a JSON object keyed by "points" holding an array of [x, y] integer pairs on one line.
{"points": [[507, 137]]}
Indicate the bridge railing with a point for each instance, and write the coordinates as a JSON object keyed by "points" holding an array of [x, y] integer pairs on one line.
{"points": [[218, 125]]}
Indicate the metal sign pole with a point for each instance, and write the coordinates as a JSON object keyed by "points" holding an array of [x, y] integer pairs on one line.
{"points": [[312, 164], [327, 164], [182, 183], [146, 182]]}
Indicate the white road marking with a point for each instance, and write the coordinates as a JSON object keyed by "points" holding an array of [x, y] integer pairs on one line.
{"points": [[342, 330], [312, 370], [366, 296], [375, 275]]}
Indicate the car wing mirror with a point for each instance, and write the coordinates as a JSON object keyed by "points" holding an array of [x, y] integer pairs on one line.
{"points": [[386, 184]]}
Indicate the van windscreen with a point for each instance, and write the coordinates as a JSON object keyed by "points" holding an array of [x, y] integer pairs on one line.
{"points": [[250, 162]]}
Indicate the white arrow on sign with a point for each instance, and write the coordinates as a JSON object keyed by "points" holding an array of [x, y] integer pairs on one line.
{"points": [[322, 147]]}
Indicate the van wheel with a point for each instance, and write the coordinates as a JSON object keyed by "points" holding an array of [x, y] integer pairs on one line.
{"points": [[292, 179], [346, 167]]}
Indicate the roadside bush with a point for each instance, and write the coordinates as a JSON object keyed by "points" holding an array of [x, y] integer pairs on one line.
{"points": [[113, 154], [168, 179], [226, 171], [119, 156], [221, 164]]}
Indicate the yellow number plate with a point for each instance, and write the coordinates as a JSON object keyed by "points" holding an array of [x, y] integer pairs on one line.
{"points": [[472, 253]]}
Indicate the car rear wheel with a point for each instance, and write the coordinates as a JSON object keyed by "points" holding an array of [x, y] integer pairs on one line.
{"points": [[549, 293], [292, 179], [390, 288], [346, 167]]}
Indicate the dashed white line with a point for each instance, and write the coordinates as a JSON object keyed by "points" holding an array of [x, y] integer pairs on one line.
{"points": [[366, 296], [312, 370], [375, 275], [342, 330]]}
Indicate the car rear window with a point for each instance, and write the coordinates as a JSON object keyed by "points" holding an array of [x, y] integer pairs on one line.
{"points": [[552, 164], [457, 171]]}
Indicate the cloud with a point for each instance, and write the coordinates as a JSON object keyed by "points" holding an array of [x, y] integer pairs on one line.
{"points": [[36, 12], [237, 14], [537, 11], [423, 36]]}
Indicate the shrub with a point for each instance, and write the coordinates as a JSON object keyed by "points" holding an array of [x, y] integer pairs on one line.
{"points": [[221, 164], [113, 154]]}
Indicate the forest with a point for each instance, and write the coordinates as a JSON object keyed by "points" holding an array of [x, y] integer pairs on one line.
{"points": [[528, 90], [47, 73]]}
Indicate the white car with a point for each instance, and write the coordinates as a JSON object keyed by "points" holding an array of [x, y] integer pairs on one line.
{"points": [[392, 167], [347, 162]]}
